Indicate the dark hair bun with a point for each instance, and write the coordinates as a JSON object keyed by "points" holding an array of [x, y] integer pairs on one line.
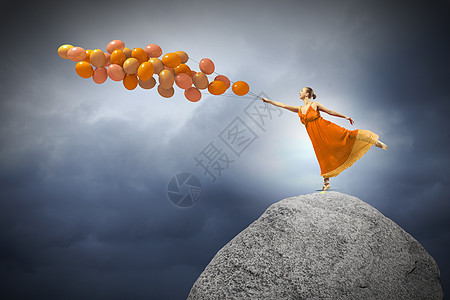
{"points": [[314, 96]]}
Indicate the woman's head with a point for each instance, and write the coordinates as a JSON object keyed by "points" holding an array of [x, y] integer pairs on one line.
{"points": [[307, 92]]}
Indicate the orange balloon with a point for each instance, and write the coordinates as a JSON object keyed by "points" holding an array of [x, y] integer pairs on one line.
{"points": [[217, 87], [171, 60], [157, 64], [84, 69], [97, 58], [166, 79], [166, 93], [182, 68], [200, 80], [130, 81], [147, 84], [145, 71], [183, 55], [139, 54], [240, 88], [118, 57], [88, 56], [62, 50], [131, 65], [127, 52]]}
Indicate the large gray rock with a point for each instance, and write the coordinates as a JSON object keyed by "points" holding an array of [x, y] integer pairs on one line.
{"points": [[321, 246]]}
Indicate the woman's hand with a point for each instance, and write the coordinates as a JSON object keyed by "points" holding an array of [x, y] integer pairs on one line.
{"points": [[350, 119], [265, 100]]}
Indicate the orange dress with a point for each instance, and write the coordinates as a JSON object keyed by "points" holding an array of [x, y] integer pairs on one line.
{"points": [[336, 148]]}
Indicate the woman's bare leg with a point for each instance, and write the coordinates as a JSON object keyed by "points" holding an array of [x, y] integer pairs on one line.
{"points": [[381, 145], [326, 184]]}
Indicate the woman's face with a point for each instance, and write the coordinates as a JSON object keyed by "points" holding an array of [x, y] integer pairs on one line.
{"points": [[302, 94]]}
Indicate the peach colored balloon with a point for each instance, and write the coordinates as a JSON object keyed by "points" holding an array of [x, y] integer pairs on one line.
{"points": [[153, 50], [76, 54], [139, 54], [183, 55], [116, 72], [240, 88], [97, 58], [127, 52], [149, 84], [62, 50], [192, 94], [206, 66], [130, 81], [183, 81], [166, 93], [100, 75], [107, 59], [115, 45], [182, 68], [145, 71], [84, 69], [193, 73], [166, 79], [224, 79], [171, 70], [157, 64], [131, 65], [118, 57], [200, 80]]}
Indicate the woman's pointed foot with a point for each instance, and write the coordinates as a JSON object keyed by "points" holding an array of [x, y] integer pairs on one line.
{"points": [[326, 187], [381, 145]]}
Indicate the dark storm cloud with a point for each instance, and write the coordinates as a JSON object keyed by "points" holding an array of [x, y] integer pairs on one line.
{"points": [[84, 209]]}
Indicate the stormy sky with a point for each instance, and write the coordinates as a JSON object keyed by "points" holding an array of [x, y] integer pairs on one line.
{"points": [[85, 210]]}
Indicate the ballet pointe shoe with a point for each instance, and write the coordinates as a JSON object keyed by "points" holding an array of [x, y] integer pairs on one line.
{"points": [[381, 145], [326, 187]]}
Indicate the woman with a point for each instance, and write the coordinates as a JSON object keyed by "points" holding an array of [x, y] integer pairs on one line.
{"points": [[336, 148]]}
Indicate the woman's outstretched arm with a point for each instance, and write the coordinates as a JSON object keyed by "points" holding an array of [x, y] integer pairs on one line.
{"points": [[332, 112], [282, 105]]}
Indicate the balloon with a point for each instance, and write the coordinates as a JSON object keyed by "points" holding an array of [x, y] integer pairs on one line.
{"points": [[107, 59], [147, 84], [171, 60], [131, 65], [62, 50], [88, 55], [217, 87], [166, 93], [118, 57], [130, 81], [153, 50], [84, 69], [200, 81], [127, 52], [145, 71], [166, 79], [171, 70], [206, 66], [157, 64], [182, 68], [115, 45], [223, 79], [116, 72], [240, 88], [193, 73], [76, 54], [192, 94], [183, 55], [100, 75], [97, 58], [139, 54], [183, 81]]}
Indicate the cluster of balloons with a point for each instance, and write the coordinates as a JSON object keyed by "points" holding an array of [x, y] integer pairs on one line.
{"points": [[137, 67]]}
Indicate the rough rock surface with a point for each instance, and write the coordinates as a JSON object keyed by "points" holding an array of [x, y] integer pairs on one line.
{"points": [[321, 246]]}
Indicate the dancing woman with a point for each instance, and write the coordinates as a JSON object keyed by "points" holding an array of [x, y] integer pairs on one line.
{"points": [[336, 148]]}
